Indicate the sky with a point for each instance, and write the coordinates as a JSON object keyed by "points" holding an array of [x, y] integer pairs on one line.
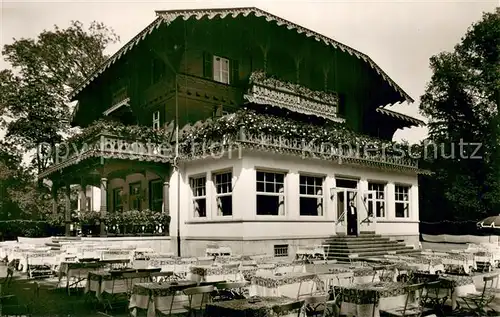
{"points": [[400, 36]]}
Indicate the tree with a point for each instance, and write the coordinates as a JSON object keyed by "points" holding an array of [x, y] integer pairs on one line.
{"points": [[462, 104], [33, 94]]}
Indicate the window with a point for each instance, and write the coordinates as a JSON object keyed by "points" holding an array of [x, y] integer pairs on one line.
{"points": [[224, 188], [199, 189], [376, 201], [156, 195], [221, 70], [270, 193], [280, 250], [156, 120], [117, 199], [311, 196], [402, 200], [135, 196]]}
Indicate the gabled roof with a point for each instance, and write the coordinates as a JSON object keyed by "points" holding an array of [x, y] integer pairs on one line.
{"points": [[171, 15]]}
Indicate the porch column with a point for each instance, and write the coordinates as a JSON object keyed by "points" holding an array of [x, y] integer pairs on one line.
{"points": [[54, 199], [166, 189], [67, 210], [83, 197], [104, 205]]}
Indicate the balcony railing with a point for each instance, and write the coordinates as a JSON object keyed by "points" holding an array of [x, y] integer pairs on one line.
{"points": [[269, 91], [107, 145], [342, 153], [207, 89]]}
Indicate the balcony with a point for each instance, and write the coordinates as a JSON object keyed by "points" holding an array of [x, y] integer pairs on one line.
{"points": [[208, 90], [270, 91], [251, 130], [104, 140]]}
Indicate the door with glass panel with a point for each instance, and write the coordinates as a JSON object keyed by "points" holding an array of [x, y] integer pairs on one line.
{"points": [[346, 196]]}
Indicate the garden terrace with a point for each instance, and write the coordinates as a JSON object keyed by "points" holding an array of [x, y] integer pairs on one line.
{"points": [[252, 130]]}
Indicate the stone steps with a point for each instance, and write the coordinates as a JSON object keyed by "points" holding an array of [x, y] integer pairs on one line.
{"points": [[364, 245]]}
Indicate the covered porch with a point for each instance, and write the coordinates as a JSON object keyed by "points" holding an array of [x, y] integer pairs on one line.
{"points": [[112, 188]]}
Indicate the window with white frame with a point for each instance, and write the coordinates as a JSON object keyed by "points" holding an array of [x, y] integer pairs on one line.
{"points": [[223, 193], [402, 201], [221, 69], [376, 201], [156, 120], [270, 193], [199, 190], [311, 195]]}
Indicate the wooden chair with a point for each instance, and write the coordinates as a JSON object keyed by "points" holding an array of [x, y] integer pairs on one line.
{"points": [[478, 302], [435, 296], [411, 308], [315, 305], [288, 309], [198, 298]]}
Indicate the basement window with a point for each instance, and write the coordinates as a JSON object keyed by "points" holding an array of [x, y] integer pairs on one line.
{"points": [[280, 250]]}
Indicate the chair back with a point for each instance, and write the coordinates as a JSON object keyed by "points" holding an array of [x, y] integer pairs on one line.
{"points": [[199, 296], [231, 285], [414, 291], [490, 285], [287, 309]]}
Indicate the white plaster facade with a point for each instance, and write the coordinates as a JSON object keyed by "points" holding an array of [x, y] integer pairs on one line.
{"points": [[247, 232]]}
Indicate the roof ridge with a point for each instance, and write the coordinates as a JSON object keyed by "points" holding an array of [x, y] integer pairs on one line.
{"points": [[168, 16]]}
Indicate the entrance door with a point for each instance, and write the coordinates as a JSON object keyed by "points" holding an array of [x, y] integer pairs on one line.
{"points": [[347, 207]]}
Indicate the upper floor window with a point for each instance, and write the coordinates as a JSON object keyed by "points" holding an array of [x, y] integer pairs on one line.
{"points": [[402, 201], [270, 193], [224, 190], [311, 196], [156, 120], [376, 201], [221, 69], [199, 190]]}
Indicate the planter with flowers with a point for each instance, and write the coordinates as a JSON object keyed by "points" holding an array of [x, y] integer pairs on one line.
{"points": [[90, 223], [135, 222]]}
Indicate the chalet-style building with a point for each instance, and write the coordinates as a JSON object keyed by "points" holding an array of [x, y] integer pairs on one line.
{"points": [[247, 130]]}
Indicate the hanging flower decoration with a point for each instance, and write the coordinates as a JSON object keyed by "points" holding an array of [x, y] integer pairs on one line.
{"points": [[261, 78], [253, 122], [130, 132]]}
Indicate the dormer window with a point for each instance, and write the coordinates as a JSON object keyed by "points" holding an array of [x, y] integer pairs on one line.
{"points": [[221, 70], [156, 120]]}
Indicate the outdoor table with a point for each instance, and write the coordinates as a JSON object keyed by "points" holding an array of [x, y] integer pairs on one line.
{"points": [[459, 286], [246, 308], [77, 270], [157, 296], [368, 299], [289, 284], [210, 273], [104, 282]]}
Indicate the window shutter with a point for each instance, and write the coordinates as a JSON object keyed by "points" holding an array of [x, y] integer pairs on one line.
{"points": [[208, 65], [235, 72]]}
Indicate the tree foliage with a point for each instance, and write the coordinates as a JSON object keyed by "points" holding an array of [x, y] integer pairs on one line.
{"points": [[462, 103], [33, 94]]}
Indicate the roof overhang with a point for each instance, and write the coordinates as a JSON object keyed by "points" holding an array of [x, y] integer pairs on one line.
{"points": [[412, 121], [171, 15], [116, 106]]}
